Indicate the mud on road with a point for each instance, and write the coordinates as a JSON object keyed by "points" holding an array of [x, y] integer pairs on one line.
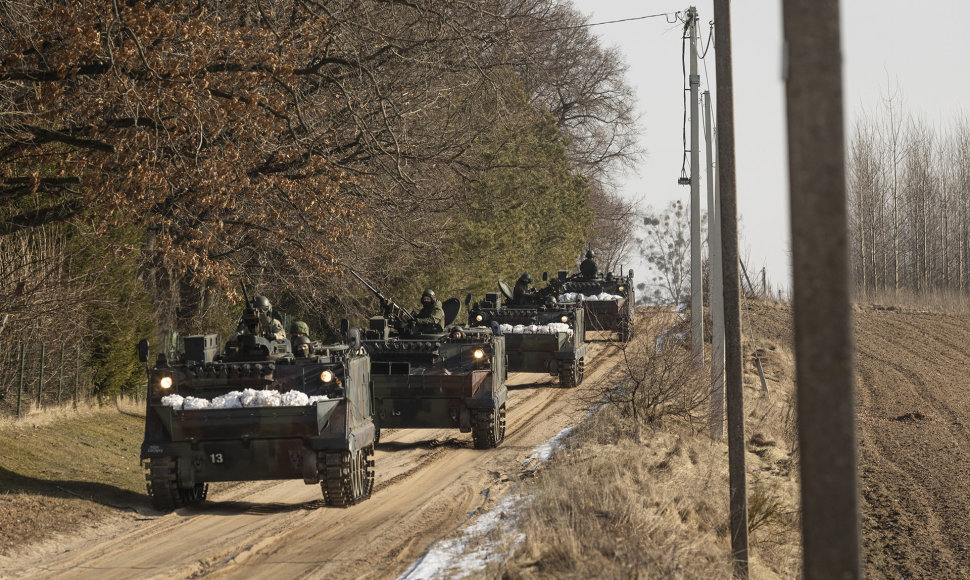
{"points": [[428, 482]]}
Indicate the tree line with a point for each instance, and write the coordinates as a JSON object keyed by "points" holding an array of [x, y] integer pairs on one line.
{"points": [[908, 204], [154, 153]]}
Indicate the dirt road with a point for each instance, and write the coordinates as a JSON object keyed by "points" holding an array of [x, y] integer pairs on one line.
{"points": [[427, 484]]}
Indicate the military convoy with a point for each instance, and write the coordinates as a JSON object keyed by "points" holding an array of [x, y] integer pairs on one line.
{"points": [[608, 300], [427, 378], [267, 408], [256, 411], [541, 334]]}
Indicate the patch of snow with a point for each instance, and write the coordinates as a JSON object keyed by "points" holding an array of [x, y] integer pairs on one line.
{"points": [[174, 401], [230, 400], [247, 398], [542, 453], [604, 297], [192, 403], [295, 399], [571, 297], [454, 557], [551, 328]]}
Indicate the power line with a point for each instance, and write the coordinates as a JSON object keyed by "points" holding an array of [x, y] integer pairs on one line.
{"points": [[666, 15]]}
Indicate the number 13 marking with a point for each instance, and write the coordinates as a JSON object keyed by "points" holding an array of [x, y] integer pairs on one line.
{"points": [[215, 457]]}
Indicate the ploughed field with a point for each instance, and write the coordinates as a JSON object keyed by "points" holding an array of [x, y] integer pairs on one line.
{"points": [[427, 484], [913, 422]]}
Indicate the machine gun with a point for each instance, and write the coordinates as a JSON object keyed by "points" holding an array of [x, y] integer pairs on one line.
{"points": [[390, 309], [250, 319]]}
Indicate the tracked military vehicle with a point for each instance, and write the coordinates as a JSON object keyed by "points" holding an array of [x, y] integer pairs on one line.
{"points": [[426, 378], [542, 335], [608, 301], [256, 412]]}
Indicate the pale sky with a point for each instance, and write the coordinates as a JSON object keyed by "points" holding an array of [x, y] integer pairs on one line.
{"points": [[915, 46]]}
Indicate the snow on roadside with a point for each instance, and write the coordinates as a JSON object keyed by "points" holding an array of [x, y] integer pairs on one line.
{"points": [[455, 557], [542, 453], [467, 554]]}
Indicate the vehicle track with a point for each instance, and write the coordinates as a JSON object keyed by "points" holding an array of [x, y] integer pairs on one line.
{"points": [[428, 482]]}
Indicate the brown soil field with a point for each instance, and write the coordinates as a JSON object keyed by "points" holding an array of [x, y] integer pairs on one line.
{"points": [[913, 421]]}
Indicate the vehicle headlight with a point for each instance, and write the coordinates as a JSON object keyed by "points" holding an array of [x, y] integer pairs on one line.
{"points": [[565, 319], [479, 318], [326, 376], [165, 382], [620, 289], [478, 354]]}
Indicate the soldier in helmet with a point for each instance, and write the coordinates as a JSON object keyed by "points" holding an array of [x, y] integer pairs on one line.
{"points": [[588, 268], [272, 327], [299, 328], [523, 289], [431, 317], [302, 346]]}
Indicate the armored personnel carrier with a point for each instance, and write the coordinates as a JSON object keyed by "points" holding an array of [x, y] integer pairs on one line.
{"points": [[257, 412], [541, 334], [608, 300], [427, 378]]}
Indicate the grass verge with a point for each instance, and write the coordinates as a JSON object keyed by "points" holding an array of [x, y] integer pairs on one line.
{"points": [[645, 494], [60, 472]]}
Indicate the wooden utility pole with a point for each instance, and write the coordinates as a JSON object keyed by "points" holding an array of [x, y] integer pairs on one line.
{"points": [[696, 264], [823, 317], [716, 417], [732, 305]]}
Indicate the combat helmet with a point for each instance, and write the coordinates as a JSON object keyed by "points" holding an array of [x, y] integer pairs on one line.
{"points": [[301, 346]]}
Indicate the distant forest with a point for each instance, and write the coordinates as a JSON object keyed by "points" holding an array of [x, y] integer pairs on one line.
{"points": [[909, 204], [153, 154]]}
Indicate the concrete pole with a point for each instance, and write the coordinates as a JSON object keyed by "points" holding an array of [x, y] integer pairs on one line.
{"points": [[732, 292], [822, 310], [696, 264], [716, 419]]}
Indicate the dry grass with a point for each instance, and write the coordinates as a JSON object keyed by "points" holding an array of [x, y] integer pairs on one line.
{"points": [[629, 498], [945, 302], [61, 468], [34, 417]]}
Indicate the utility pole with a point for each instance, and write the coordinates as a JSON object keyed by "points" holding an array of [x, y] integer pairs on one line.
{"points": [[732, 305], [696, 267], [716, 417], [822, 313]]}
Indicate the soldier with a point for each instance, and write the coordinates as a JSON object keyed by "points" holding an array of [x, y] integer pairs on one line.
{"points": [[299, 328], [522, 289], [302, 347], [431, 317], [588, 268], [272, 327]]}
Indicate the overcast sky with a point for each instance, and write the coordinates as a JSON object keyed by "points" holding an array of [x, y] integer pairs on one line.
{"points": [[915, 46]]}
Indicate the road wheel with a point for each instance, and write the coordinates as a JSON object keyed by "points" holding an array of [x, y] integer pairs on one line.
{"points": [[163, 485], [346, 477], [488, 427]]}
